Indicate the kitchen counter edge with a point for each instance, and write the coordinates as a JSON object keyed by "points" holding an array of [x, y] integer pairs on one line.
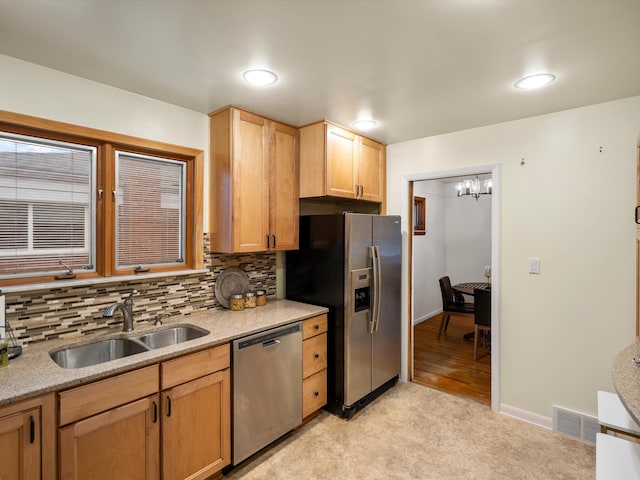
{"points": [[626, 379], [34, 372]]}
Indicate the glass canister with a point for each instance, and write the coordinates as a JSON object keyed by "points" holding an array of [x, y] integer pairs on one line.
{"points": [[236, 302], [249, 300], [261, 297]]}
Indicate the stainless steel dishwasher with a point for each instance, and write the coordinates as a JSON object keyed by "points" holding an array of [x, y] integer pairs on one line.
{"points": [[267, 388]]}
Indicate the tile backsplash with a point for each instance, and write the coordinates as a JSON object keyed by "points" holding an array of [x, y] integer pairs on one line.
{"points": [[75, 311]]}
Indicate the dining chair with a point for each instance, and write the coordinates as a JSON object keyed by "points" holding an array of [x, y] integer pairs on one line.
{"points": [[482, 298], [449, 305]]}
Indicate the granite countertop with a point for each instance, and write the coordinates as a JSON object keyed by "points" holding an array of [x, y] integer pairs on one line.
{"points": [[34, 372], [626, 379]]}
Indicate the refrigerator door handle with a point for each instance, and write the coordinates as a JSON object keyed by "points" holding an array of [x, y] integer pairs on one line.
{"points": [[377, 282]]}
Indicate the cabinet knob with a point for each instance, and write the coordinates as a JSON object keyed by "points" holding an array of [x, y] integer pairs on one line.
{"points": [[316, 327], [315, 355], [315, 394]]}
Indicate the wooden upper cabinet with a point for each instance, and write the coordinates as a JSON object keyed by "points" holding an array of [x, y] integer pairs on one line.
{"points": [[342, 162], [371, 170], [284, 187], [253, 177], [336, 162]]}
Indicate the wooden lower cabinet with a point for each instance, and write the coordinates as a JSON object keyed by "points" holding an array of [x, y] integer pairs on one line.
{"points": [[120, 443], [314, 364], [27, 440], [195, 427], [170, 420]]}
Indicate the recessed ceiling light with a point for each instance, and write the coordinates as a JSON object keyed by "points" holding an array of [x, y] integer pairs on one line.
{"points": [[535, 81], [364, 124], [260, 77]]}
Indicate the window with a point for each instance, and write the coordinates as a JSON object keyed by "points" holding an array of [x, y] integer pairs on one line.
{"points": [[46, 206], [419, 216], [150, 220], [82, 203]]}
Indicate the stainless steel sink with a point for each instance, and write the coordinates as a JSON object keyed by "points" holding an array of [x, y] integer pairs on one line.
{"points": [[172, 335], [97, 352], [79, 356]]}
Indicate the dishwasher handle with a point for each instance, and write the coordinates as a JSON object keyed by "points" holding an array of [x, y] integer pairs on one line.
{"points": [[266, 339], [270, 343]]}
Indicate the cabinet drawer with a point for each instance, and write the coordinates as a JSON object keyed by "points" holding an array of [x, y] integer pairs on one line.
{"points": [[196, 365], [96, 397], [314, 393], [314, 326], [314, 355]]}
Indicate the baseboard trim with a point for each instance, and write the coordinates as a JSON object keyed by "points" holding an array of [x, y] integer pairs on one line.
{"points": [[427, 316], [526, 416]]}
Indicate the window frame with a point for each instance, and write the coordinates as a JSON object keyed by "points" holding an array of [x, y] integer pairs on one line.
{"points": [[106, 144]]}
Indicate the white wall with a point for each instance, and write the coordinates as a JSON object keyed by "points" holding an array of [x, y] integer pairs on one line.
{"points": [[571, 204], [429, 258], [468, 236]]}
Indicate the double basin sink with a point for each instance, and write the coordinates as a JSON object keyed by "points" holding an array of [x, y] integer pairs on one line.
{"points": [[113, 348]]}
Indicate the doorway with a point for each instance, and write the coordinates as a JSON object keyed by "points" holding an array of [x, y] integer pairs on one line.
{"points": [[448, 363]]}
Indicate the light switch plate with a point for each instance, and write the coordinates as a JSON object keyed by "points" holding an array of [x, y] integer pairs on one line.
{"points": [[534, 265]]}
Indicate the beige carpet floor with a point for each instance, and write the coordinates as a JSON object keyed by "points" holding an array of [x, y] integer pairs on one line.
{"points": [[414, 432]]}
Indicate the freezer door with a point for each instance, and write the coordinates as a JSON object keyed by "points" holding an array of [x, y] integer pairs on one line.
{"points": [[386, 339], [357, 345]]}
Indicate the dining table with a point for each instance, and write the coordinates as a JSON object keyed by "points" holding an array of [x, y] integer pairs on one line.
{"points": [[467, 288]]}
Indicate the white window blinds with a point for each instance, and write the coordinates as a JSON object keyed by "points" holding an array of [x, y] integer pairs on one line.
{"points": [[150, 211], [46, 206]]}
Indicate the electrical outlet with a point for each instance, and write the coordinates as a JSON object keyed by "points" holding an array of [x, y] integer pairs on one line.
{"points": [[534, 265]]}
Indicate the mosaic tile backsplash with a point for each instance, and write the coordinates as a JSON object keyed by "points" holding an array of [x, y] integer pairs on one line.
{"points": [[76, 311]]}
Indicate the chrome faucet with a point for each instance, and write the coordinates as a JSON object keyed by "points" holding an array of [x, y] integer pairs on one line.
{"points": [[126, 308]]}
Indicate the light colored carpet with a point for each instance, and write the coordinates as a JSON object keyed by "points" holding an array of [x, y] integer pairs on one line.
{"points": [[415, 432]]}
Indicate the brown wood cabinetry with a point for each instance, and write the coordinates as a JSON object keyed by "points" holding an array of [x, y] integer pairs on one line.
{"points": [[169, 421], [196, 425], [336, 162], [110, 428], [253, 183], [314, 364], [27, 439]]}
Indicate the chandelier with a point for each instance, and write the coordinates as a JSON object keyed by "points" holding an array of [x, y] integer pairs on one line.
{"points": [[472, 187]]}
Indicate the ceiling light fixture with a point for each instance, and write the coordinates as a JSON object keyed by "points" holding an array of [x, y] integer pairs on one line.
{"points": [[260, 77], [472, 187], [532, 82], [364, 124]]}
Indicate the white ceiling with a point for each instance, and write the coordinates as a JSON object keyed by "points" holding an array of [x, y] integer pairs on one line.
{"points": [[417, 67]]}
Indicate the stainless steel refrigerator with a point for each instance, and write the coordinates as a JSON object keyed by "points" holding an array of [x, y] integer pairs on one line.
{"points": [[350, 263]]}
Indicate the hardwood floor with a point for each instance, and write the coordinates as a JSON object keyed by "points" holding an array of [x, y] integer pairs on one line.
{"points": [[448, 364]]}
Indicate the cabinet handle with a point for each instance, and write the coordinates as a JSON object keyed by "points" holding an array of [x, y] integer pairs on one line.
{"points": [[361, 191], [155, 412], [268, 245], [637, 219], [274, 241], [32, 430], [168, 406], [315, 355], [316, 327], [315, 394]]}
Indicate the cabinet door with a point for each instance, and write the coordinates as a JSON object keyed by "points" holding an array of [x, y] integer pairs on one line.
{"points": [[20, 445], [371, 170], [120, 443], [196, 428], [284, 188], [342, 151], [250, 217]]}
